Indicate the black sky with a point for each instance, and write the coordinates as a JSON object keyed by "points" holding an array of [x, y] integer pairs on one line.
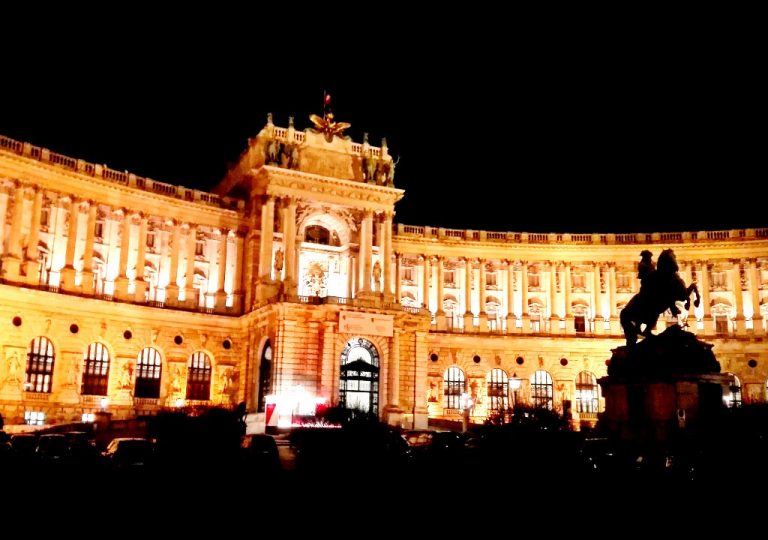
{"points": [[509, 126]]}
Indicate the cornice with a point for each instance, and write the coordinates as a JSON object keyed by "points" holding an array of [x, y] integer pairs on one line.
{"points": [[287, 182], [40, 173]]}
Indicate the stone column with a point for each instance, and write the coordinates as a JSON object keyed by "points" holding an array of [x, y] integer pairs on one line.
{"points": [[366, 252], [427, 279], [191, 295], [140, 291], [393, 411], [87, 284], [754, 292], [68, 272], [329, 378], [267, 235], [3, 214], [172, 290], [597, 308], [289, 239], [398, 277], [221, 294], [738, 296], [468, 316], [11, 267], [440, 312], [33, 253], [237, 282], [524, 296], [510, 297], [615, 325], [554, 317], [709, 324], [351, 276], [569, 324], [686, 275], [483, 316], [121, 284], [420, 382], [386, 229]]}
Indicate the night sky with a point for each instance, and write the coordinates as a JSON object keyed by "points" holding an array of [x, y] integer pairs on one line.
{"points": [[520, 128]]}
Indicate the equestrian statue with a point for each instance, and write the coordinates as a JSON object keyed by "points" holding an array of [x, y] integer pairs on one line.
{"points": [[660, 289]]}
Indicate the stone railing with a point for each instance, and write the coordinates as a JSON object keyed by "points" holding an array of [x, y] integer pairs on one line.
{"points": [[344, 301], [667, 238], [294, 136], [117, 177]]}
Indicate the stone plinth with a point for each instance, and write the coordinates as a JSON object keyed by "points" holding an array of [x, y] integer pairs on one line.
{"points": [[663, 385]]}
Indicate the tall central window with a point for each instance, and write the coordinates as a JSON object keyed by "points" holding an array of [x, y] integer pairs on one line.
{"points": [[586, 393], [40, 359], [149, 369], [199, 376], [498, 389], [96, 370], [541, 389], [453, 387]]}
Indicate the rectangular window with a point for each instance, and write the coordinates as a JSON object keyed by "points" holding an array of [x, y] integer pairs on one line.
{"points": [[624, 282], [490, 279], [719, 281], [578, 282], [200, 248], [721, 325], [580, 323], [98, 230], [151, 240], [408, 274], [533, 282], [449, 278], [34, 418]]}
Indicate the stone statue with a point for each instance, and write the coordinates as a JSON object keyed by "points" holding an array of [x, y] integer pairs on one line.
{"points": [[278, 261], [14, 369], [661, 288], [377, 273]]}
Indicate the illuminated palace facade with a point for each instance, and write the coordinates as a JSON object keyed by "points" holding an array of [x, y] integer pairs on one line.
{"points": [[124, 294]]}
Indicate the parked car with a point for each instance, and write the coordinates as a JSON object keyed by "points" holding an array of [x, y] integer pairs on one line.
{"points": [[129, 452]]}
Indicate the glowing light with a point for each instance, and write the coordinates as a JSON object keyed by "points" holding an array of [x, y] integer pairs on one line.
{"points": [[103, 403], [179, 402]]}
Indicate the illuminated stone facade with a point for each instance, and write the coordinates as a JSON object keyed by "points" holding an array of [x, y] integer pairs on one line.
{"points": [[127, 294]]}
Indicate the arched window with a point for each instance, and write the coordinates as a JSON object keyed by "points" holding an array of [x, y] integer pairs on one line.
{"points": [[453, 387], [317, 235], [359, 377], [541, 389], [95, 371], [733, 397], [535, 312], [497, 389], [40, 359], [265, 376], [199, 376], [149, 369], [586, 393]]}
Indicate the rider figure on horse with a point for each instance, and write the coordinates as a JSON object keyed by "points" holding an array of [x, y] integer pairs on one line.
{"points": [[661, 288]]}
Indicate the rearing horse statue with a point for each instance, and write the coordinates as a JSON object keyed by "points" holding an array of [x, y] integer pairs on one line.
{"points": [[661, 289]]}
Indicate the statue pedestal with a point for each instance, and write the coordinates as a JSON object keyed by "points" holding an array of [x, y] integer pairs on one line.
{"points": [[662, 386]]}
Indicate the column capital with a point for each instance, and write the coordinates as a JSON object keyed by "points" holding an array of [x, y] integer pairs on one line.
{"points": [[224, 231], [398, 255]]}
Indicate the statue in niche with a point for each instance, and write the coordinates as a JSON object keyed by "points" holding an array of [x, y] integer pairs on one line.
{"points": [[14, 368], [278, 261], [126, 375], [377, 275]]}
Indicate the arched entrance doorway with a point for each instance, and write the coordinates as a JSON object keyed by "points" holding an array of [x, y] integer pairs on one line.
{"points": [[359, 377]]}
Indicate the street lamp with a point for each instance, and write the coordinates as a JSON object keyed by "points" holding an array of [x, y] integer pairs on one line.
{"points": [[514, 385], [466, 403]]}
